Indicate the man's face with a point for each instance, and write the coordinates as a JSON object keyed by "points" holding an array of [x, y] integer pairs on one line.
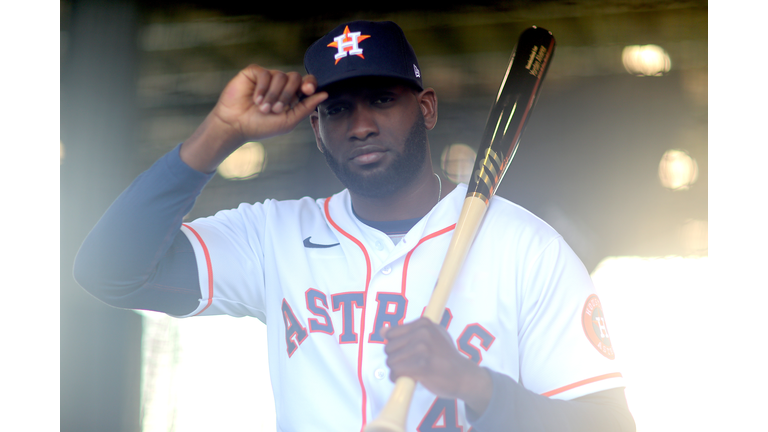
{"points": [[373, 135]]}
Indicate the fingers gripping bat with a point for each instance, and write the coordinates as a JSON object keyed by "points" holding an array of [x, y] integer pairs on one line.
{"points": [[508, 117]]}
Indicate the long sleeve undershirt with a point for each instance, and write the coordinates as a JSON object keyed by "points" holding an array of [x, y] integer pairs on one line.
{"points": [[137, 258]]}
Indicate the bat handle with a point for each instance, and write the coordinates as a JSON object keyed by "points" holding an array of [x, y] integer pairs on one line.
{"points": [[472, 212], [395, 413]]}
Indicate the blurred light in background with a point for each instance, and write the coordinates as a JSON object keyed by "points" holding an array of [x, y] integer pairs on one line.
{"points": [[658, 313], [159, 361], [244, 163], [205, 373], [678, 170], [61, 153], [457, 161], [646, 60]]}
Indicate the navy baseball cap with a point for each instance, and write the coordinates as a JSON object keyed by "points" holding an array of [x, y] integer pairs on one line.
{"points": [[362, 49]]}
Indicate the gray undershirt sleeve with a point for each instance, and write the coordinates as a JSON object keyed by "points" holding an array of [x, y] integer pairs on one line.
{"points": [[513, 408], [136, 256]]}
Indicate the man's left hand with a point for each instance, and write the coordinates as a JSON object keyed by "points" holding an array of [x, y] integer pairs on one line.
{"points": [[424, 351]]}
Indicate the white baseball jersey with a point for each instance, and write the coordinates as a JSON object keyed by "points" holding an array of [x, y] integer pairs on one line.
{"points": [[325, 283]]}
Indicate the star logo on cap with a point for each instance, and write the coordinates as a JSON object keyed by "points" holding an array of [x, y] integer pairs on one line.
{"points": [[347, 43]]}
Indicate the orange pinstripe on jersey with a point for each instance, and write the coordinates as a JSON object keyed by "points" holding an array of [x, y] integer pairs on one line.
{"points": [[209, 266], [581, 383], [408, 256], [362, 318]]}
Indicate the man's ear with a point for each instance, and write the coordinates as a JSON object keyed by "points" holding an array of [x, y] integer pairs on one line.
{"points": [[314, 119], [428, 103]]}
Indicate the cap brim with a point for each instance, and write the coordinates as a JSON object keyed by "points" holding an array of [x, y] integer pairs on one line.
{"points": [[362, 74]]}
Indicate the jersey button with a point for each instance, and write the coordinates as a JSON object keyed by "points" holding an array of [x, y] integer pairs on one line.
{"points": [[379, 246], [379, 373], [386, 270]]}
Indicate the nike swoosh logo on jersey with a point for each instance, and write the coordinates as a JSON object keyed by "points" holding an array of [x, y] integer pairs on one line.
{"points": [[309, 244]]}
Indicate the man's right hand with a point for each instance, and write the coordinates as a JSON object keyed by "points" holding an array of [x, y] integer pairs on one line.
{"points": [[257, 103]]}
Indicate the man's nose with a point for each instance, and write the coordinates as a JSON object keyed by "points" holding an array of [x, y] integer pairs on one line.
{"points": [[362, 123]]}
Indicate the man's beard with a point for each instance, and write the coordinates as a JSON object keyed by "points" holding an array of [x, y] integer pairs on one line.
{"points": [[400, 173]]}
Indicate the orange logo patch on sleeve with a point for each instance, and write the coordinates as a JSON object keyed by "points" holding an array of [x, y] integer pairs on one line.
{"points": [[593, 321]]}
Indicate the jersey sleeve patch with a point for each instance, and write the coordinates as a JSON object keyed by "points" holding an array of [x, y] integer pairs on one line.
{"points": [[593, 322]]}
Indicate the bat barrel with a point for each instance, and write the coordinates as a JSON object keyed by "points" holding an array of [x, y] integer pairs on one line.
{"points": [[509, 115]]}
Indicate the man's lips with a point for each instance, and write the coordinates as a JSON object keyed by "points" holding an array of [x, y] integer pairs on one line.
{"points": [[367, 155]]}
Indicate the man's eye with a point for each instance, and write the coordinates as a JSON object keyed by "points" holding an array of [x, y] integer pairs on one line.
{"points": [[333, 110], [383, 100]]}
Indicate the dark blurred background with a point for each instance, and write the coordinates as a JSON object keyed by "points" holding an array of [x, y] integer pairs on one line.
{"points": [[137, 77]]}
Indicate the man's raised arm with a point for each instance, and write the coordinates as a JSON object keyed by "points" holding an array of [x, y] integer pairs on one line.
{"points": [[134, 258], [256, 104]]}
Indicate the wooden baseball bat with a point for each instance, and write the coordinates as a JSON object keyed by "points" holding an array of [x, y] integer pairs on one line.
{"points": [[509, 114]]}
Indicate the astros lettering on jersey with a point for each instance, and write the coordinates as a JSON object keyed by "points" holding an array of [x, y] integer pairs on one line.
{"points": [[325, 284]]}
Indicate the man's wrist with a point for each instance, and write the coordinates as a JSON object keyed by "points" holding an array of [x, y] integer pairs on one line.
{"points": [[478, 389], [208, 146]]}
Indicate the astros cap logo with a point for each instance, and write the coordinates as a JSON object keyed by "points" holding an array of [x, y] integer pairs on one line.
{"points": [[347, 43]]}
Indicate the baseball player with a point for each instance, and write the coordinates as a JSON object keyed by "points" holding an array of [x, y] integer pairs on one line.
{"points": [[341, 281]]}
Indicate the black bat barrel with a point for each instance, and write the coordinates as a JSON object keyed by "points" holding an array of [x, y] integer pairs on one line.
{"points": [[510, 112]]}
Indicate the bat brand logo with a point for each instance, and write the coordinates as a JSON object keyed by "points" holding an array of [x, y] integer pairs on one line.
{"points": [[593, 321], [347, 43], [536, 59]]}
